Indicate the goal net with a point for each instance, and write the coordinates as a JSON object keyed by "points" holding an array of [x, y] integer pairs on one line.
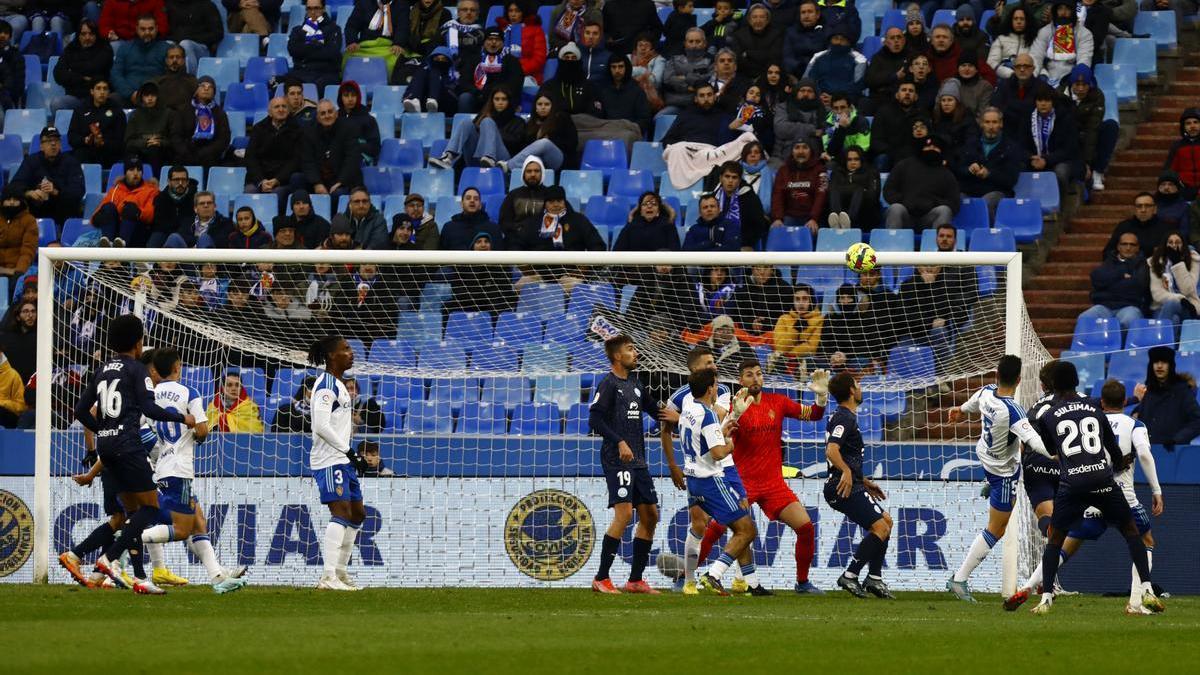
{"points": [[474, 371]]}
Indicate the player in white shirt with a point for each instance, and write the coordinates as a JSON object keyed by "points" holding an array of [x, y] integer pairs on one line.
{"points": [[334, 464], [176, 469], [1004, 429], [1134, 440]]}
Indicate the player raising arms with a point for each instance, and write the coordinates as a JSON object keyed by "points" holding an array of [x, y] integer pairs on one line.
{"points": [[759, 457], [1134, 439], [1004, 424], [332, 461], [1087, 452], [122, 392], [616, 415], [717, 490], [851, 493], [176, 470]]}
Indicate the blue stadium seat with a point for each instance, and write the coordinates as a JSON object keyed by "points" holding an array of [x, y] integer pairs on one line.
{"points": [[392, 205], [382, 180], [423, 127], [567, 329], [911, 361], [265, 207], [254, 380], [648, 157], [388, 99], [272, 409], [630, 183], [999, 239], [400, 389], [789, 239], [434, 295], [1142, 54], [889, 404], [535, 419], [93, 178], [545, 300], [455, 390], [1189, 336], [247, 97], [973, 214], [662, 124], [1150, 333], [506, 391], [445, 208], [322, 205], [404, 154], [392, 353], [419, 328], [495, 358], [442, 356], [264, 69], [366, 72], [1023, 217], [830, 240], [223, 71], [277, 47], [893, 240], [589, 357], [1096, 335], [288, 380], [604, 156], [386, 122], [469, 329], [518, 329], [581, 185], [431, 182], [584, 297], [1187, 362], [429, 417], [561, 390], [577, 420], [1039, 185], [47, 231], [1089, 366], [25, 123], [40, 94], [226, 180], [942, 17], [489, 181], [547, 358], [240, 46], [892, 18], [481, 417], [201, 379], [871, 44], [1119, 78], [1160, 26], [608, 211], [91, 201], [237, 122], [11, 152], [74, 228], [1129, 367]]}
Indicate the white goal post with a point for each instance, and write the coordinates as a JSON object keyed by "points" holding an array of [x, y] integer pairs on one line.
{"points": [[1018, 338]]}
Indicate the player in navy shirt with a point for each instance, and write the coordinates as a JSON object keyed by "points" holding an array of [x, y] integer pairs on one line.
{"points": [[849, 492], [1075, 428], [121, 391], [1040, 472], [616, 414]]}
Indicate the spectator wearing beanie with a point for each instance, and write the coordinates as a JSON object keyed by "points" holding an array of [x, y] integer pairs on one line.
{"points": [[1168, 405], [414, 228], [800, 189], [921, 191], [311, 229], [127, 210], [149, 127], [200, 132], [966, 30], [974, 91]]}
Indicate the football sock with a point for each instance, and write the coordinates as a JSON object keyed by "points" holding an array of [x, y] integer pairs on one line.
{"points": [[1141, 561], [1044, 525], [984, 541], [136, 560], [346, 547], [1135, 588], [805, 545], [750, 574], [711, 534], [130, 539], [868, 548], [335, 531], [202, 547], [1035, 578], [641, 556], [158, 556], [1050, 559], [691, 554], [98, 540], [608, 551], [158, 534], [875, 567], [722, 563]]}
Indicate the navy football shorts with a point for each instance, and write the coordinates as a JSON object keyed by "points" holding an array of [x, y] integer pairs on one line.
{"points": [[630, 486], [860, 507], [129, 471], [1070, 505]]}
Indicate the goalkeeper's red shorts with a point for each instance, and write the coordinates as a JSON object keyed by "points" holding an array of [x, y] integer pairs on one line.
{"points": [[772, 497]]}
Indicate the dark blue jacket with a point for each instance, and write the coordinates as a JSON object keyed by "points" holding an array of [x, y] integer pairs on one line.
{"points": [[699, 126], [358, 25], [714, 236], [65, 172], [311, 58], [1003, 163], [799, 46], [1120, 283], [1171, 415], [640, 235]]}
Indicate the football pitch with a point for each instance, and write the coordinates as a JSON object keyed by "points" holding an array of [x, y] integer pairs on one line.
{"points": [[274, 629]]}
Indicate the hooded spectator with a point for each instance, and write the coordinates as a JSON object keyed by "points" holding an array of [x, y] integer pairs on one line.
{"points": [[621, 97], [1172, 206], [148, 130], [800, 189], [1168, 407], [360, 128], [433, 87], [921, 191], [315, 46], [1097, 136], [840, 68], [525, 201], [18, 235], [797, 119]]}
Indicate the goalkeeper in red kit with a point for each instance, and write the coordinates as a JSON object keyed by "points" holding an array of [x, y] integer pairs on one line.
{"points": [[758, 455]]}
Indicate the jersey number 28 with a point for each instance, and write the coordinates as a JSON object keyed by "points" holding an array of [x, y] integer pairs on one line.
{"points": [[1086, 432], [108, 399]]}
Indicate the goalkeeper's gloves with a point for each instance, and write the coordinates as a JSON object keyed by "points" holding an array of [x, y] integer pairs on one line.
{"points": [[741, 401], [89, 459], [357, 461], [819, 385]]}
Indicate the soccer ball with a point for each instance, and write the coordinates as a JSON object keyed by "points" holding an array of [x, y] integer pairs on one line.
{"points": [[860, 258]]}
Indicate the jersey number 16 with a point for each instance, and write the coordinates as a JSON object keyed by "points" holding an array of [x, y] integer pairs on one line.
{"points": [[108, 399], [1086, 432]]}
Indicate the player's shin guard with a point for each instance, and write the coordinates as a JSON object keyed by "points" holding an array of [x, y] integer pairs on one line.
{"points": [[1141, 561], [335, 531], [711, 534], [641, 556], [202, 547], [158, 534], [868, 550], [98, 540], [805, 546], [980, 548], [691, 554], [608, 551], [347, 546], [158, 556]]}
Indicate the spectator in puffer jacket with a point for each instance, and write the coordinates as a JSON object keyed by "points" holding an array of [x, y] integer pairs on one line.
{"points": [[800, 189], [526, 201], [126, 212], [523, 38], [651, 227], [1120, 285], [840, 68], [1184, 156], [921, 191], [1061, 44], [804, 39], [758, 42], [1097, 136], [138, 61], [684, 72], [1168, 401]]}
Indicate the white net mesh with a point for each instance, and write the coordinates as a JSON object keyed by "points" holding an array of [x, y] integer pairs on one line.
{"points": [[473, 382]]}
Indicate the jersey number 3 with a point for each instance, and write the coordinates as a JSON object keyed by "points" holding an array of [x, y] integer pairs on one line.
{"points": [[1086, 432], [108, 399]]}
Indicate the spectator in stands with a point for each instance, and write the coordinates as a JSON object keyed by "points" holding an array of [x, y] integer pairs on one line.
{"points": [[1172, 208], [740, 207], [196, 27], [807, 37], [272, 161], [887, 68], [729, 84], [840, 68], [295, 416], [368, 224], [119, 20], [797, 334], [935, 308], [422, 231], [458, 234], [800, 189], [757, 42], [378, 30], [1184, 155], [201, 133], [1120, 285], [713, 290], [366, 303], [12, 393], [721, 26], [675, 28], [623, 21], [51, 179], [757, 173], [1061, 44], [659, 293], [945, 55], [368, 419], [621, 97], [232, 409], [648, 69], [1174, 269], [568, 18], [550, 135], [651, 227], [174, 207], [311, 229], [284, 308], [249, 232], [125, 214], [1015, 96], [1144, 224], [989, 162], [208, 229], [576, 94], [1016, 37], [464, 35], [558, 228], [683, 74], [316, 47], [524, 38], [921, 191], [301, 109], [1097, 136], [18, 338], [252, 16], [593, 55], [360, 128], [149, 126], [798, 119], [18, 235], [892, 127], [285, 235], [12, 71], [920, 68], [328, 163], [176, 85], [974, 91], [853, 194], [710, 231], [916, 34], [1052, 140], [843, 127], [525, 201], [84, 59], [211, 286], [701, 122], [481, 288], [369, 451], [1168, 404], [760, 300], [143, 59], [341, 235], [486, 71], [432, 87], [97, 133], [728, 350], [951, 119]]}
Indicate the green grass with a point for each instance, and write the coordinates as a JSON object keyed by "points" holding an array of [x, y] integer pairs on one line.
{"points": [[270, 629]]}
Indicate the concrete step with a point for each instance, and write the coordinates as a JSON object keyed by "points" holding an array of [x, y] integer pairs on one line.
{"points": [[1052, 281], [1179, 101], [1141, 167], [1156, 141], [1114, 197], [1072, 253], [1056, 296], [1188, 73], [1096, 240]]}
